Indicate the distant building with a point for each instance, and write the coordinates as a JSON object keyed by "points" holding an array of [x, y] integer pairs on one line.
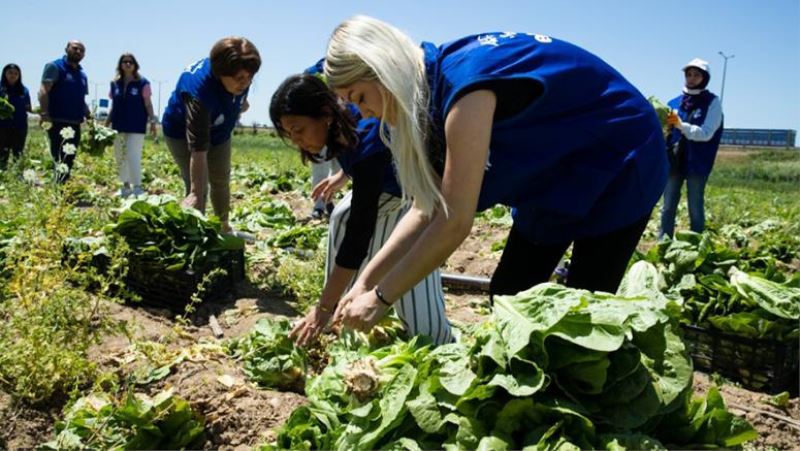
{"points": [[760, 137]]}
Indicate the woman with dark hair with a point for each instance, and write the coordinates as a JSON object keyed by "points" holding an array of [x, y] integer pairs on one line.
{"points": [[307, 113], [131, 110], [201, 115], [696, 130], [14, 130]]}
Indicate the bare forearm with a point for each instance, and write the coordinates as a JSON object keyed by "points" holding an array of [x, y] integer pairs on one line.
{"points": [[148, 105], [402, 238], [337, 282], [44, 101], [198, 172], [440, 239]]}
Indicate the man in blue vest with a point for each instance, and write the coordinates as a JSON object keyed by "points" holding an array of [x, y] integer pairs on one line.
{"points": [[61, 97]]}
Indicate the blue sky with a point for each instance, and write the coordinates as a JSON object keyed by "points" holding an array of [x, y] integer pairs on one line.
{"points": [[647, 41]]}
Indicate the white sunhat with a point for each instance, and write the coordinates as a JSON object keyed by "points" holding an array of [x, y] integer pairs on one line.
{"points": [[698, 63]]}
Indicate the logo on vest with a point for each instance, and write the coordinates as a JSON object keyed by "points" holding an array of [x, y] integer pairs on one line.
{"points": [[69, 77], [697, 114], [488, 39], [220, 120], [134, 91], [542, 38]]}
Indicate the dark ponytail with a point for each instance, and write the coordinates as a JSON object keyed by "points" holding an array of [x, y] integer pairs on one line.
{"points": [[307, 95]]}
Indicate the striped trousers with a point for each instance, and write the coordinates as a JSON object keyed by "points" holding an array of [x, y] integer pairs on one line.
{"points": [[422, 308]]}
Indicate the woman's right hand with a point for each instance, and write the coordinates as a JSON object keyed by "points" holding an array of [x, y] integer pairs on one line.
{"points": [[194, 201], [310, 327], [355, 291], [673, 119], [329, 186]]}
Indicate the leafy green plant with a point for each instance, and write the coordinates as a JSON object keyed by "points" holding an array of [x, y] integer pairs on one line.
{"points": [[161, 232], [50, 319], [300, 237], [300, 277], [268, 214], [98, 138], [138, 421], [555, 368], [662, 111], [730, 282], [6, 108], [270, 357]]}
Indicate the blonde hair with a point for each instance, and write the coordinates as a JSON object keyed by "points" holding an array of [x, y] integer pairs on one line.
{"points": [[367, 49]]}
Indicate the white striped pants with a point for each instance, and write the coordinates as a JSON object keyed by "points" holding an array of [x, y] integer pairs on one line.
{"points": [[422, 308]]}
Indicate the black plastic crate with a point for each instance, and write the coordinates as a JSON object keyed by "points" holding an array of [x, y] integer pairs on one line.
{"points": [[763, 365], [174, 289]]}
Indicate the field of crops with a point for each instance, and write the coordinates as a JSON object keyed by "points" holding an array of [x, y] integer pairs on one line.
{"points": [[84, 365]]}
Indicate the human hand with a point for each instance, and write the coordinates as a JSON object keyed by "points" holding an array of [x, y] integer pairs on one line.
{"points": [[194, 201], [311, 326], [328, 187], [153, 129], [673, 119], [362, 312]]}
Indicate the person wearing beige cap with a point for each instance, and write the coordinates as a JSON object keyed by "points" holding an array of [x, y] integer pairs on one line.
{"points": [[692, 144]]}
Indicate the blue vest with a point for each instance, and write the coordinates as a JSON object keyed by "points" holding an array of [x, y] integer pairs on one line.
{"points": [[698, 158], [369, 143], [66, 97], [585, 158], [223, 107], [128, 113], [20, 103]]}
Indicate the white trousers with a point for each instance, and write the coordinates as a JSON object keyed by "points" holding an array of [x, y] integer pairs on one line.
{"points": [[128, 153]]}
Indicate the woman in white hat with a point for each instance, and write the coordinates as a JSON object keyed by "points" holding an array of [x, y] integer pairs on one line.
{"points": [[692, 144]]}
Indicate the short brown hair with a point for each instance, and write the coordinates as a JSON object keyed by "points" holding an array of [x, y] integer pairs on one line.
{"points": [[232, 54]]}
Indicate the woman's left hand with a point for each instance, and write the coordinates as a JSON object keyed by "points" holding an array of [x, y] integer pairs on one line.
{"points": [[153, 129], [363, 312]]}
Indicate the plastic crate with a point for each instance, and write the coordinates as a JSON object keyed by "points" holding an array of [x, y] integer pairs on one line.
{"points": [[174, 289], [763, 365]]}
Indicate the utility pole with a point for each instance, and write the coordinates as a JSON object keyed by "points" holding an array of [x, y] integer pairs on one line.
{"points": [[724, 70], [159, 97], [95, 106]]}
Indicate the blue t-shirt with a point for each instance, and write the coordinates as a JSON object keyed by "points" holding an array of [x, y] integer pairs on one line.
{"points": [[198, 82], [128, 112], [66, 97], [584, 158], [20, 103]]}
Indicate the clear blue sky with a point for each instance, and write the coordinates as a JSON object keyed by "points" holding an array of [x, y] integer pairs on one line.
{"points": [[647, 41]]}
